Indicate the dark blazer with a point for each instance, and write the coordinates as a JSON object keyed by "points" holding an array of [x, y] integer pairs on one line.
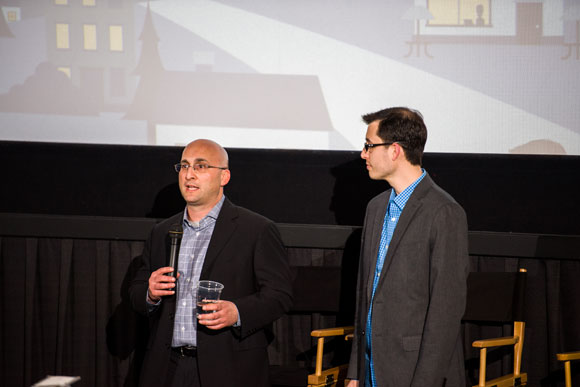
{"points": [[420, 297], [246, 255]]}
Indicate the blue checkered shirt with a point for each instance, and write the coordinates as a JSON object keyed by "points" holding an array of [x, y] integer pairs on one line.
{"points": [[394, 210], [194, 244]]}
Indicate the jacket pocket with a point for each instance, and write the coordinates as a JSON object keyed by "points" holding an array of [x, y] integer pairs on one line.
{"points": [[411, 343]]}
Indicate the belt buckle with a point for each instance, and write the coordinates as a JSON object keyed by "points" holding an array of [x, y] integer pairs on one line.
{"points": [[186, 350]]}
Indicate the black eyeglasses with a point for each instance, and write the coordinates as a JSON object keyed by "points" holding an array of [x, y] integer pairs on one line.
{"points": [[368, 146], [198, 168]]}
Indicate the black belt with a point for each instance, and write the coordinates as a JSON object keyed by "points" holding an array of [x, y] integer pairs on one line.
{"points": [[185, 351]]}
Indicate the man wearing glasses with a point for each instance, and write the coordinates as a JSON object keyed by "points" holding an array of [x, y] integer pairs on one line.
{"points": [[411, 288], [221, 242]]}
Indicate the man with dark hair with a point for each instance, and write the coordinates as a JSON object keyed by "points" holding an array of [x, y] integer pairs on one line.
{"points": [[221, 242], [413, 266]]}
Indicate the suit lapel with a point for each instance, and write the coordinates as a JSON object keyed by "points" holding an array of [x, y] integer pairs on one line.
{"points": [[404, 220], [377, 228], [409, 212], [223, 231]]}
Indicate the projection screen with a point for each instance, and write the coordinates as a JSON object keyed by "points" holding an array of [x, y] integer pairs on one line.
{"points": [[489, 76]]}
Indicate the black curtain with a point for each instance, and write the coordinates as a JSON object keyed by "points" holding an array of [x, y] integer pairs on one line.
{"points": [[64, 311], [59, 298]]}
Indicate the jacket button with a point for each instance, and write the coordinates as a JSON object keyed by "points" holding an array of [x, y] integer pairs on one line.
{"points": [[362, 333]]}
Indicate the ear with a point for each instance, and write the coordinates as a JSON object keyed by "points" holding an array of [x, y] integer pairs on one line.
{"points": [[398, 152], [225, 177]]}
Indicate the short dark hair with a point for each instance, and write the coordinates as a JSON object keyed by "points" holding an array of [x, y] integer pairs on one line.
{"points": [[404, 126]]}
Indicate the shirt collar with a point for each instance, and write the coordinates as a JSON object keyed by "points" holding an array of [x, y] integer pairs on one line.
{"points": [[401, 199], [211, 215]]}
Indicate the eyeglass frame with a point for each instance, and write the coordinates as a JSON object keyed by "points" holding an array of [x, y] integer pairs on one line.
{"points": [[367, 146], [197, 167]]}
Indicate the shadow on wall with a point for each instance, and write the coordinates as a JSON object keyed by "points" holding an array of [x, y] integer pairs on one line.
{"points": [[353, 189], [168, 202], [349, 278]]}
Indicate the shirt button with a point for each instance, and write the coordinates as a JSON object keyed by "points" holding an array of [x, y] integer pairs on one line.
{"points": [[392, 219], [184, 303], [197, 233], [182, 329]]}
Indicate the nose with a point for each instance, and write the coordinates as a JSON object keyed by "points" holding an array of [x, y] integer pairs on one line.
{"points": [[364, 154], [190, 173]]}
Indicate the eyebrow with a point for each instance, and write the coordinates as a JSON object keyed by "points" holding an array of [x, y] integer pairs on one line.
{"points": [[195, 161]]}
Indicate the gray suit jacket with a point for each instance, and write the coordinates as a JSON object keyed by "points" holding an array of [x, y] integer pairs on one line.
{"points": [[420, 298]]}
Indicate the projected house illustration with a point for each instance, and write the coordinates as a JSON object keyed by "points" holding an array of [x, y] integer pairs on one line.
{"points": [[488, 75], [497, 22], [260, 105]]}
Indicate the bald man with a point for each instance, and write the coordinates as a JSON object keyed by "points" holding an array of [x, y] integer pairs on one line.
{"points": [[224, 243]]}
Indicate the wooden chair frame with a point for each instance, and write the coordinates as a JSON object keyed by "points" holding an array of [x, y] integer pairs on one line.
{"points": [[332, 376], [517, 340], [517, 378], [566, 358]]}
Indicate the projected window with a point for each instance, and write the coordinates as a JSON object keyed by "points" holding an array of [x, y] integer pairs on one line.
{"points": [[62, 36], [61, 2], [12, 14], [116, 38], [90, 37], [89, 3], [465, 13], [65, 70]]}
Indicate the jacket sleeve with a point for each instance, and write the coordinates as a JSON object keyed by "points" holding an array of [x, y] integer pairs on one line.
{"points": [[360, 312], [353, 366], [273, 281], [449, 264], [140, 283]]}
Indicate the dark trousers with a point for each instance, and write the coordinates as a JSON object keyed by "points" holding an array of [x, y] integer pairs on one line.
{"points": [[183, 371]]}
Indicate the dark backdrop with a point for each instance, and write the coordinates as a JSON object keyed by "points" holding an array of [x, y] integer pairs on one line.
{"points": [[60, 290], [503, 193], [64, 307]]}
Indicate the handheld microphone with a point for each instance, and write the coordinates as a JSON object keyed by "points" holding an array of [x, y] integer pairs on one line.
{"points": [[175, 233]]}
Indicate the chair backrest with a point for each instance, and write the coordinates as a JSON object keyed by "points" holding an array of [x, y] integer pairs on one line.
{"points": [[316, 289], [495, 297]]}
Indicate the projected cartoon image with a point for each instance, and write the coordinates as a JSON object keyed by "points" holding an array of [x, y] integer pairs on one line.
{"points": [[489, 76]]}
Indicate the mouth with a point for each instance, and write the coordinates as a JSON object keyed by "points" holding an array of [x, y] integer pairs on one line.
{"points": [[191, 187]]}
